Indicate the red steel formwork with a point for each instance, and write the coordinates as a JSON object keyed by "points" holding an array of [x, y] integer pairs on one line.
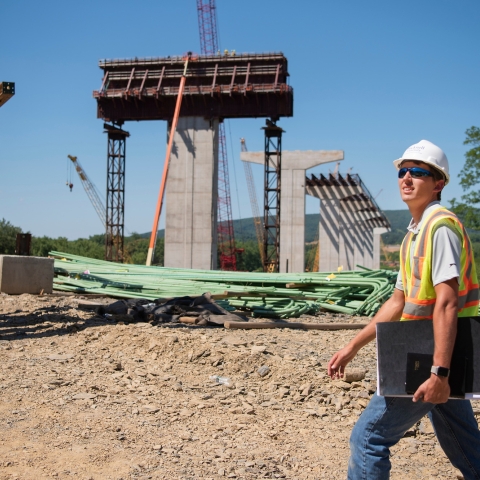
{"points": [[218, 86]]}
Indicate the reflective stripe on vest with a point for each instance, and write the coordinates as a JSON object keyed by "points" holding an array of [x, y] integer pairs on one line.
{"points": [[420, 295]]}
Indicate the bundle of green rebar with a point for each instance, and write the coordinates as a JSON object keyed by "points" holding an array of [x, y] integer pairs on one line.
{"points": [[275, 295]]}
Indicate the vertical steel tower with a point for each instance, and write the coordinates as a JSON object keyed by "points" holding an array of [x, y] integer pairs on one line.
{"points": [[115, 209], [272, 189]]}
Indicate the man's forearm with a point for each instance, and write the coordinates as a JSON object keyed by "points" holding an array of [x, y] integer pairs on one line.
{"points": [[445, 322]]}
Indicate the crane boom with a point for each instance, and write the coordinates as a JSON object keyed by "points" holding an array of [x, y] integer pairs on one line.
{"points": [[253, 200], [90, 189]]}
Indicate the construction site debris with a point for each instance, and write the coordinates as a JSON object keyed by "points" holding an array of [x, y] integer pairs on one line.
{"points": [[264, 295], [200, 310], [222, 381]]}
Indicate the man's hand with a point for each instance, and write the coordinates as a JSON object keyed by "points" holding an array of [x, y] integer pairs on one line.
{"points": [[390, 311], [434, 390], [337, 364]]}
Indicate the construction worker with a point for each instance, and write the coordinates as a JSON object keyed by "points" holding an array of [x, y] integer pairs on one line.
{"points": [[437, 281]]}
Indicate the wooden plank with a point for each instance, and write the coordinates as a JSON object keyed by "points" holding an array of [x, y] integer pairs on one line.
{"points": [[299, 326], [299, 285]]}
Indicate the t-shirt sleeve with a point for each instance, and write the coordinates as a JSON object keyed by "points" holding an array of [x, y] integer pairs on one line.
{"points": [[446, 255], [399, 282]]}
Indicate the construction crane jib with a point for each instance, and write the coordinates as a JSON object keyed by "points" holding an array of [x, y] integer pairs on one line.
{"points": [[90, 189], [257, 219]]}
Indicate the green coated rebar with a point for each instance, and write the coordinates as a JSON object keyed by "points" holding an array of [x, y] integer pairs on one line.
{"points": [[278, 295]]}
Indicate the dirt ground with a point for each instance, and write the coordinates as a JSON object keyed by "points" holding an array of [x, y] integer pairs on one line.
{"points": [[84, 397]]}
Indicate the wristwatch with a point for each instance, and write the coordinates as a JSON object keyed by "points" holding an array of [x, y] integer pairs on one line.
{"points": [[440, 371]]}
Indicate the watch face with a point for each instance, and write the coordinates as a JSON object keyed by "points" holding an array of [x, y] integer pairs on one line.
{"points": [[441, 371]]}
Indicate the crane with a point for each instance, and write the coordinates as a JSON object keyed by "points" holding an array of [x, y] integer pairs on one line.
{"points": [[91, 190], [207, 23], [257, 220]]}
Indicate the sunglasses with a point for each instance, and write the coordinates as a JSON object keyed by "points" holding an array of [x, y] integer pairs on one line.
{"points": [[415, 172]]}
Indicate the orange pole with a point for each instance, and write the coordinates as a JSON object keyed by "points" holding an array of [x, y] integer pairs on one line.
{"points": [[158, 212]]}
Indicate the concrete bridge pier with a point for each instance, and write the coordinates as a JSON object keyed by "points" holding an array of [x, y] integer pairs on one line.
{"points": [[292, 200], [191, 196]]}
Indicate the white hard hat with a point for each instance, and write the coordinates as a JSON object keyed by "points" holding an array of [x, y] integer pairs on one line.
{"points": [[426, 152]]}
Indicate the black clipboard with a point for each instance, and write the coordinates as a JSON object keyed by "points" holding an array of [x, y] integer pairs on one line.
{"points": [[395, 340]]}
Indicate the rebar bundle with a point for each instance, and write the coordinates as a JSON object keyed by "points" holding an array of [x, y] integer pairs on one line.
{"points": [[276, 295]]}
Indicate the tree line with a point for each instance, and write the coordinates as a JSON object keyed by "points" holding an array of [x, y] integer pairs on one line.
{"points": [[135, 247]]}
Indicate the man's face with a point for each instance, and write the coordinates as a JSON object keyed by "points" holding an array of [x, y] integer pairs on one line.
{"points": [[421, 190]]}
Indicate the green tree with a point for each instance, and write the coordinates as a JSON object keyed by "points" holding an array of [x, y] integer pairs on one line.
{"points": [[8, 237], [249, 260], [42, 245], [136, 249], [468, 209]]}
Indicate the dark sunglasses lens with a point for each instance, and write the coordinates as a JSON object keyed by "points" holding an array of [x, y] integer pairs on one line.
{"points": [[415, 172]]}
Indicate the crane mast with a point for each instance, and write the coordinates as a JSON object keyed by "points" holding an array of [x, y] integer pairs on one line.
{"points": [[207, 23], [90, 189]]}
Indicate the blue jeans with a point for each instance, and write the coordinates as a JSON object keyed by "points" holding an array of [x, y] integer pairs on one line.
{"points": [[385, 421]]}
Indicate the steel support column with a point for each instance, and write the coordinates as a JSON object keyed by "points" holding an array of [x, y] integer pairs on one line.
{"points": [[115, 208], [272, 189]]}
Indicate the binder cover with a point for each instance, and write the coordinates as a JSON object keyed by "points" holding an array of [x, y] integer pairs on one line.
{"points": [[395, 340], [418, 370]]}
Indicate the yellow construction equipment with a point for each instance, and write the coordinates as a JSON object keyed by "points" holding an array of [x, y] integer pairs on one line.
{"points": [[313, 257]]}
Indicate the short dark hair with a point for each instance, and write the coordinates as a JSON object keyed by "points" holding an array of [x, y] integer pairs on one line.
{"points": [[437, 174]]}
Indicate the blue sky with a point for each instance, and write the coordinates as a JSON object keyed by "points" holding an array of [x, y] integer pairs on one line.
{"points": [[369, 78]]}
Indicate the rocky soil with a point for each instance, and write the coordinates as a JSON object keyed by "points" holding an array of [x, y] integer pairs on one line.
{"points": [[85, 397]]}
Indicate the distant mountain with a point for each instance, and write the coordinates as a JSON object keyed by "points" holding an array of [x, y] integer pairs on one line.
{"points": [[244, 228]]}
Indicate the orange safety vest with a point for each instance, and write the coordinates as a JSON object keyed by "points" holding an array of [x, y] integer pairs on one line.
{"points": [[420, 296]]}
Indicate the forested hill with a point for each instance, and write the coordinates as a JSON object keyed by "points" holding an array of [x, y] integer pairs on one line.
{"points": [[245, 228], [399, 219]]}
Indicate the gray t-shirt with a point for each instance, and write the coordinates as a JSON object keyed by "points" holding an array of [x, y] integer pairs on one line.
{"points": [[446, 251]]}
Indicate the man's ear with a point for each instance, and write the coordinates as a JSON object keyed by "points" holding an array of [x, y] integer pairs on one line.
{"points": [[439, 186]]}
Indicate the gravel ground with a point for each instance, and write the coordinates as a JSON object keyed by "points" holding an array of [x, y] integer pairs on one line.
{"points": [[84, 397]]}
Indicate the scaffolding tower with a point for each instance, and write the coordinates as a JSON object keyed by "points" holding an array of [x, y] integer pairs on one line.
{"points": [[115, 209], [272, 190]]}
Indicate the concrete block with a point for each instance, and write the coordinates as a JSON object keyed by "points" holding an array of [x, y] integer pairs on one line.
{"points": [[19, 274]]}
